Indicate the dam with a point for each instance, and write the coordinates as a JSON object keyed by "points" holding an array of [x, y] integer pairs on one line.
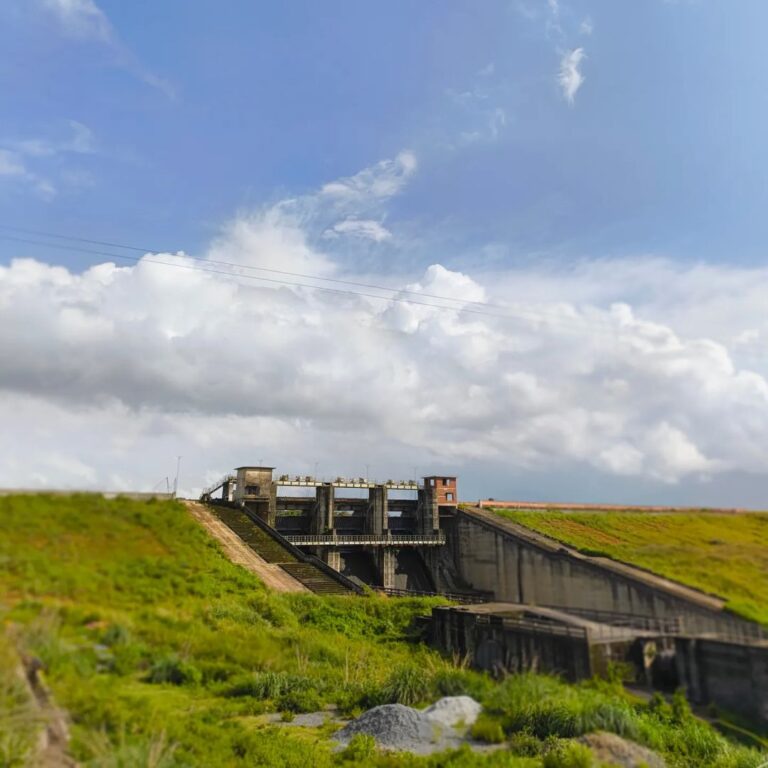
{"points": [[548, 606]]}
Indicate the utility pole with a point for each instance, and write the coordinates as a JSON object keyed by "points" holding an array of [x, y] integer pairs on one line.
{"points": [[176, 479]]}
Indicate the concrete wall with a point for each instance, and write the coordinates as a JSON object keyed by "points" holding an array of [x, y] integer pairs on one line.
{"points": [[519, 569], [732, 676], [490, 646]]}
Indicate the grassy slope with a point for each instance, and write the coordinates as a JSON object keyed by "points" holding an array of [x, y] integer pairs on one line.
{"points": [[19, 719], [166, 654], [725, 555]]}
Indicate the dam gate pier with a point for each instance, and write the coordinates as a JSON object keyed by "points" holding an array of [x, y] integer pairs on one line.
{"points": [[385, 534]]}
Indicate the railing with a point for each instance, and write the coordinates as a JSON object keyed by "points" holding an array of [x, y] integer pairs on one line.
{"points": [[670, 625], [374, 540], [206, 494], [454, 597], [533, 626], [298, 554], [307, 481], [664, 625]]}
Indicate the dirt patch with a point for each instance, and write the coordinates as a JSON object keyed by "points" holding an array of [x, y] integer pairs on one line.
{"points": [[613, 750], [239, 552]]}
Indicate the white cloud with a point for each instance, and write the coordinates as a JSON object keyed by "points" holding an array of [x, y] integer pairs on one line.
{"points": [[159, 359], [80, 141], [367, 229], [586, 27], [85, 20], [570, 77], [374, 184], [285, 235], [24, 159], [120, 369], [81, 18]]}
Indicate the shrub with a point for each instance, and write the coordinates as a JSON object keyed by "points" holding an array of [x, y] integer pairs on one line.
{"points": [[488, 729], [570, 755], [171, 669], [525, 744], [361, 747], [461, 682], [300, 700], [268, 685], [152, 751], [407, 685]]}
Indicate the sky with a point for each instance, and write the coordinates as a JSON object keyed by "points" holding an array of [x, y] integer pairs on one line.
{"points": [[522, 242]]}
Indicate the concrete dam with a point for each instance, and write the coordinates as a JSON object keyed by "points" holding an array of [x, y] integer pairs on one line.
{"points": [[545, 604]]}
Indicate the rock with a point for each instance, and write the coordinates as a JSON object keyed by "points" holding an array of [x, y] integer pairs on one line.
{"points": [[614, 750], [454, 710], [394, 726]]}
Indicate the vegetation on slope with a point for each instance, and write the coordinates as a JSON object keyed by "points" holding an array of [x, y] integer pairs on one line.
{"points": [[166, 654], [19, 718], [723, 554]]}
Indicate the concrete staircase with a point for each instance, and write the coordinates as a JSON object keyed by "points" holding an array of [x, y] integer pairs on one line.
{"points": [[272, 550], [313, 578]]}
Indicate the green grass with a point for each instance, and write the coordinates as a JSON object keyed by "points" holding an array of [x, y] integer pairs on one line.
{"points": [[165, 654], [722, 554], [20, 721]]}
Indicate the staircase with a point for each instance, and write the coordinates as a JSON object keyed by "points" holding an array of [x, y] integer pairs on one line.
{"points": [[270, 548], [314, 579]]}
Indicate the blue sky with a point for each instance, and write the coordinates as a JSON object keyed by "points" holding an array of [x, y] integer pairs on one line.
{"points": [[594, 169], [661, 151]]}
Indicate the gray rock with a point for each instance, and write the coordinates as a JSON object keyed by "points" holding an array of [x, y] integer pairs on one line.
{"points": [[398, 727], [452, 711]]}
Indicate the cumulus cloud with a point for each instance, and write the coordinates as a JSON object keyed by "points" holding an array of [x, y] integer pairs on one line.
{"points": [[148, 358], [570, 77], [634, 369]]}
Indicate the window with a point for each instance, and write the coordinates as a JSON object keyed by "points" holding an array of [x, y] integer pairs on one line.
{"points": [[251, 490], [446, 481], [432, 482], [449, 496]]}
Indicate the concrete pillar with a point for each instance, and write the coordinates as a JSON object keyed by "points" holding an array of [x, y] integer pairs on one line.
{"points": [[386, 559], [272, 505], [226, 491], [333, 558], [378, 523], [428, 513], [322, 520]]}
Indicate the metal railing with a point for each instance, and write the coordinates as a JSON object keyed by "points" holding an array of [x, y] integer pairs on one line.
{"points": [[302, 557], [215, 487], [664, 625], [365, 539]]}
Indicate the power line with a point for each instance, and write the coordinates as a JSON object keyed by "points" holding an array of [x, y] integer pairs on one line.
{"points": [[194, 268], [509, 313], [42, 233]]}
